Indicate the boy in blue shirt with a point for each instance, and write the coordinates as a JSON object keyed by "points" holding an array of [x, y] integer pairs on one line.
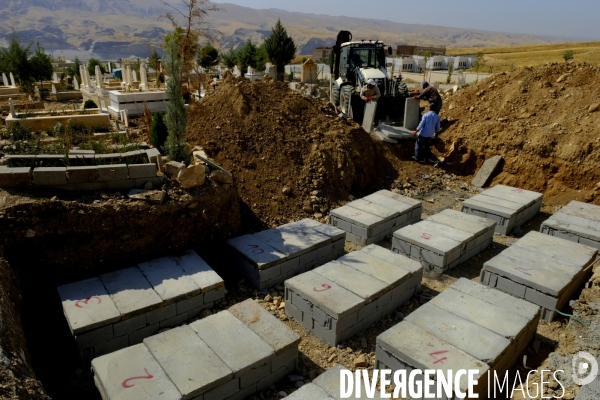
{"points": [[429, 126]]}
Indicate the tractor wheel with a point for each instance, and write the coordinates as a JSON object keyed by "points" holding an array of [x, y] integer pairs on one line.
{"points": [[346, 100], [335, 95]]}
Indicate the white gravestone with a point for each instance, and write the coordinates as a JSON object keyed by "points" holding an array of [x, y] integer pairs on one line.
{"points": [[134, 73], [98, 77], [54, 89], [12, 108], [12, 80], [4, 79], [144, 77], [75, 83], [55, 77], [236, 71]]}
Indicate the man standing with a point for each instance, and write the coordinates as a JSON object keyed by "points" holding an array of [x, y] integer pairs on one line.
{"points": [[431, 94], [370, 92], [429, 126], [402, 88]]}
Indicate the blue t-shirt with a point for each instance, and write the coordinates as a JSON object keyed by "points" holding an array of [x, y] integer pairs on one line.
{"points": [[429, 124]]}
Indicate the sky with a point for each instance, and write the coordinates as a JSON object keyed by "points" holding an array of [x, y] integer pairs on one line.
{"points": [[564, 18]]}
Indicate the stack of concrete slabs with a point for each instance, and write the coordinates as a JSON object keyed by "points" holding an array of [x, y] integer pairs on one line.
{"points": [[122, 308], [270, 257], [510, 207], [542, 269], [578, 222], [467, 326], [327, 387], [444, 240], [344, 297], [373, 218], [229, 355]]}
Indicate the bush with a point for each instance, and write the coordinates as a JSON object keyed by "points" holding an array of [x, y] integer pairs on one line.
{"points": [[158, 131], [19, 132], [89, 104]]}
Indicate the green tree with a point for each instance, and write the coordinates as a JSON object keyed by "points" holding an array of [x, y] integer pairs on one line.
{"points": [[229, 58], [208, 56], [426, 57], [158, 131], [450, 71], [246, 56], [154, 61], [73, 71], [280, 48], [41, 66], [91, 67], [14, 59], [176, 117], [568, 55]]}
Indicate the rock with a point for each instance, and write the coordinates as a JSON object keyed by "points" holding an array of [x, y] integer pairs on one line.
{"points": [[148, 185], [315, 193], [451, 107], [281, 394], [151, 196], [563, 77], [268, 298], [286, 190], [191, 177], [282, 305], [425, 176], [295, 378], [361, 362], [276, 302], [312, 375], [307, 209], [331, 358], [594, 107], [318, 215], [173, 168], [363, 343], [299, 384], [205, 313], [221, 176]]}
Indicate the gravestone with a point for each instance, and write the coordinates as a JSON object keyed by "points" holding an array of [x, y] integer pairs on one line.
{"points": [[12, 108], [55, 77], [144, 77], [134, 74], [487, 169], [309, 72], [37, 93], [12, 80], [75, 83], [54, 89], [369, 118], [4, 79], [202, 91], [236, 71], [109, 67]]}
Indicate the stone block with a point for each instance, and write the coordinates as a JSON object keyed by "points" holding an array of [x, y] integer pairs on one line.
{"points": [[169, 280], [82, 174], [138, 336], [174, 321], [256, 251], [116, 172], [184, 306], [121, 185], [48, 176], [94, 337], [109, 346], [214, 295], [173, 168], [131, 292], [361, 284], [510, 287], [77, 299], [309, 392], [142, 170], [15, 177], [116, 372], [270, 329], [188, 361], [153, 155], [129, 325], [236, 344], [108, 159]]}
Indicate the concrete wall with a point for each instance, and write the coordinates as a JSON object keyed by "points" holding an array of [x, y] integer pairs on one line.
{"points": [[134, 102], [47, 123]]}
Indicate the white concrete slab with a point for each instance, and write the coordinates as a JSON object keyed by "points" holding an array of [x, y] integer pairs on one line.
{"points": [[130, 291]]}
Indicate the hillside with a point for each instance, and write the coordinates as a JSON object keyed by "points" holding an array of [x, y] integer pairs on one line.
{"points": [[126, 27]]}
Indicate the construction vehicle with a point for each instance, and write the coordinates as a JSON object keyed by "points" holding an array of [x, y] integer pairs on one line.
{"points": [[352, 64]]}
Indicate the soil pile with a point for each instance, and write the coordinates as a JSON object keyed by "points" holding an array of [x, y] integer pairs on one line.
{"points": [[543, 120], [291, 156]]}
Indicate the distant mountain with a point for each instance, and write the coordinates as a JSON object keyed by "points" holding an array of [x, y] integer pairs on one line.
{"points": [[121, 28]]}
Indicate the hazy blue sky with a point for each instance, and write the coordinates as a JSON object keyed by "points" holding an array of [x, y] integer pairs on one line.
{"points": [[574, 18]]}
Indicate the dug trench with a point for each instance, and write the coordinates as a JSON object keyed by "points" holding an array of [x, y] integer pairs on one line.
{"points": [[292, 158]]}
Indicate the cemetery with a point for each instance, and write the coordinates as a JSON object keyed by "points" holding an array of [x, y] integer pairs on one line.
{"points": [[224, 232]]}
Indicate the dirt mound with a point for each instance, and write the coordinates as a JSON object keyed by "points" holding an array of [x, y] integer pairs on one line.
{"points": [[290, 154], [543, 120]]}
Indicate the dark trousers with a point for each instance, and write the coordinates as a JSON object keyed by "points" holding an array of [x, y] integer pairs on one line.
{"points": [[436, 106], [422, 148]]}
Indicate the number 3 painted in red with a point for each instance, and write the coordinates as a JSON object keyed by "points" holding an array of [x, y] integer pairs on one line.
{"points": [[325, 286]]}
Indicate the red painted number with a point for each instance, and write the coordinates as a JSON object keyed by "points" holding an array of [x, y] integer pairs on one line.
{"points": [[524, 270], [256, 249], [426, 236], [324, 286], [83, 303], [438, 353], [518, 190], [126, 384]]}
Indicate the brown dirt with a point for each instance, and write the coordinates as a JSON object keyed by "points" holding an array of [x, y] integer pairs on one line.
{"points": [[543, 128], [290, 154]]}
